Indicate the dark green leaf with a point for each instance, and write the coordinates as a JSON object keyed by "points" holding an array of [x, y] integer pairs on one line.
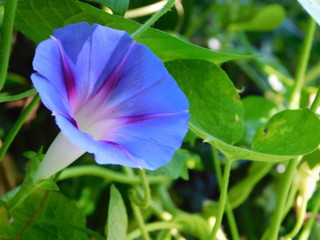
{"points": [[53, 217], [263, 19], [290, 132], [215, 105], [117, 216], [118, 7], [37, 19]]}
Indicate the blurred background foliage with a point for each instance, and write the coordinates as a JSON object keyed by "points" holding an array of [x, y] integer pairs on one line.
{"points": [[271, 30]]}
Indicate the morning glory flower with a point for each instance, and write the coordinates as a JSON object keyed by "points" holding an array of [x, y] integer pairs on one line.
{"points": [[110, 96]]}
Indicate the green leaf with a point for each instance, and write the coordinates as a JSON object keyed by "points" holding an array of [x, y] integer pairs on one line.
{"points": [[118, 7], [257, 112], [2, 2], [241, 191], [52, 217], [215, 105], [263, 19], [117, 216], [177, 167], [37, 19], [234, 152], [294, 132], [313, 159], [313, 8], [48, 184]]}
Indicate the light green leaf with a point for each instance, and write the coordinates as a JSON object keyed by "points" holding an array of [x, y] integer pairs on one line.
{"points": [[215, 105], [312, 7], [118, 7], [257, 112], [117, 217], [37, 19], [263, 19], [234, 152], [290, 132]]}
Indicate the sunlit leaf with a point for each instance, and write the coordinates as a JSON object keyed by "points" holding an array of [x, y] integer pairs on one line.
{"points": [[257, 112], [294, 132]]}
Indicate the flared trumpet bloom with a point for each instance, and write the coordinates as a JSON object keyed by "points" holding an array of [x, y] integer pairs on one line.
{"points": [[110, 96]]}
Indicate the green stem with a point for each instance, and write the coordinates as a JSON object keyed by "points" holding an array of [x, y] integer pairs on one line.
{"points": [[307, 228], [153, 227], [153, 19], [302, 65], [229, 212], [138, 216], [316, 101], [107, 174], [282, 198], [294, 188], [195, 25], [166, 200], [222, 199], [142, 201], [17, 96], [301, 218], [17, 126], [6, 37]]}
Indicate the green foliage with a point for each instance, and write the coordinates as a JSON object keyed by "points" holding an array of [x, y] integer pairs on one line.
{"points": [[194, 225], [285, 134], [241, 191], [37, 19], [215, 104], [117, 216], [177, 167], [257, 112], [263, 19], [254, 128], [118, 7], [43, 215]]}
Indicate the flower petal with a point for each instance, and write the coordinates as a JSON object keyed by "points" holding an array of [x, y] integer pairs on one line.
{"points": [[93, 54], [106, 152], [153, 139]]}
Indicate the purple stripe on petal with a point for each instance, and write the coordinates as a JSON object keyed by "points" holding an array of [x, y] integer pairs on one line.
{"points": [[68, 76], [122, 149], [134, 119], [111, 82]]}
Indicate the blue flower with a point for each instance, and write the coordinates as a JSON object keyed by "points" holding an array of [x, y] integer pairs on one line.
{"points": [[110, 96]]}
